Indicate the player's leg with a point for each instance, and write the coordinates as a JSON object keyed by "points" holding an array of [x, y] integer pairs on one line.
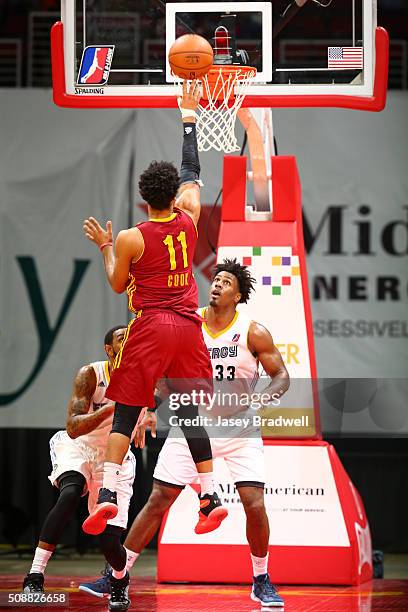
{"points": [[174, 468], [137, 366], [71, 485], [115, 554], [157, 344], [257, 531], [149, 519], [190, 371], [191, 364], [116, 581], [106, 508], [144, 527], [211, 513], [245, 460], [257, 524], [70, 474]]}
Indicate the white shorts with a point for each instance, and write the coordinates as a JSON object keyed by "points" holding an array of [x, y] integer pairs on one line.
{"points": [[69, 455], [244, 458]]}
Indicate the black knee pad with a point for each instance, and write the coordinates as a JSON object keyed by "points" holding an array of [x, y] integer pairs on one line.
{"points": [[187, 412], [71, 485], [112, 548], [196, 436], [125, 419], [200, 448], [73, 478]]}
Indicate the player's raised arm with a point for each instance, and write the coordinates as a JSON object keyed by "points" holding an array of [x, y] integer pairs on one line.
{"points": [[188, 198], [79, 422], [261, 344], [128, 246]]}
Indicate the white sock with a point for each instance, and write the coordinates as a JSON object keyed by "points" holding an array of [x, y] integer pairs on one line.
{"points": [[206, 482], [130, 558], [111, 473], [259, 565], [40, 560], [119, 574]]}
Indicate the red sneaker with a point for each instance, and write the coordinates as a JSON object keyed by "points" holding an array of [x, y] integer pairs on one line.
{"points": [[211, 513], [106, 509]]}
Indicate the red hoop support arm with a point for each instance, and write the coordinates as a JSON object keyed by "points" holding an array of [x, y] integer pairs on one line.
{"points": [[376, 102]]}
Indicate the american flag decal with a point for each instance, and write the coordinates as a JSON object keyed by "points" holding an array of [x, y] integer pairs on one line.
{"points": [[343, 58], [235, 337]]}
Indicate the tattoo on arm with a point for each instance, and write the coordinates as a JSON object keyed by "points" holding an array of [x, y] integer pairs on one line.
{"points": [[79, 421]]}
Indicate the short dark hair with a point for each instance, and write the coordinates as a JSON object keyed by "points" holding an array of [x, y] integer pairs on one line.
{"points": [[158, 184], [241, 273], [109, 334]]}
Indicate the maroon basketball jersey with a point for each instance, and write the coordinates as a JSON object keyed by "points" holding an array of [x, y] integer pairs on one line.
{"points": [[163, 276]]}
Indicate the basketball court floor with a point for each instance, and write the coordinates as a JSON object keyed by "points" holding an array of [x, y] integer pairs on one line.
{"points": [[64, 575]]}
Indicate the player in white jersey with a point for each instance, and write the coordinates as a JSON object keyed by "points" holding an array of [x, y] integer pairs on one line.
{"points": [[236, 346], [77, 456]]}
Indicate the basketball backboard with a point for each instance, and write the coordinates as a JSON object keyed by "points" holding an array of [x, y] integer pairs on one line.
{"points": [[113, 53]]}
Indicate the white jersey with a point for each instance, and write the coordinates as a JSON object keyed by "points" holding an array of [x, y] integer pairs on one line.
{"points": [[235, 369], [86, 454], [235, 375], [99, 436], [229, 352]]}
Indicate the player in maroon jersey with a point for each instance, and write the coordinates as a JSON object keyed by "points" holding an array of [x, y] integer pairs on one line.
{"points": [[153, 262]]}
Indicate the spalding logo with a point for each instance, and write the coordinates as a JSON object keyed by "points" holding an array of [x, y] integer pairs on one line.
{"points": [[192, 60]]}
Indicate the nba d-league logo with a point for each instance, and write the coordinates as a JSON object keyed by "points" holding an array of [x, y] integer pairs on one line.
{"points": [[95, 65]]}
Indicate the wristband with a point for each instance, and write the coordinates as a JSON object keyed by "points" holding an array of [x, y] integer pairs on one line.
{"points": [[158, 400], [105, 244], [187, 112]]}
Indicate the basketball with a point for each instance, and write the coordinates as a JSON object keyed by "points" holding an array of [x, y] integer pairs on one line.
{"points": [[190, 56]]}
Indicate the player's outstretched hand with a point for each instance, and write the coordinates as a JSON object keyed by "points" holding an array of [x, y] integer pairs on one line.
{"points": [[95, 232], [149, 420], [192, 93]]}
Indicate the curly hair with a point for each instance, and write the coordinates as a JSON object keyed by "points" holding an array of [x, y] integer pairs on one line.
{"points": [[241, 273], [109, 334], [158, 184]]}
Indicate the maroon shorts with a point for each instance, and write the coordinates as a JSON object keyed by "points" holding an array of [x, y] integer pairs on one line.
{"points": [[158, 344]]}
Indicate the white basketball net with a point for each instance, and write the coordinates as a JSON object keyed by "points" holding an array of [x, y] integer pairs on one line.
{"points": [[216, 120]]}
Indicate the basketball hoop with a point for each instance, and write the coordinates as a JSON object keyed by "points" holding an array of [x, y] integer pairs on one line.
{"points": [[224, 89]]}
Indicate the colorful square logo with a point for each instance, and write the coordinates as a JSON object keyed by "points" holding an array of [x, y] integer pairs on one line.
{"points": [[95, 65]]}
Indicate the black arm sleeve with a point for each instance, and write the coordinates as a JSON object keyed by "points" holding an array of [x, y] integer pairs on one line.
{"points": [[190, 164]]}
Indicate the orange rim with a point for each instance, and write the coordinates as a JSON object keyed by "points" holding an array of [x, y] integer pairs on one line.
{"points": [[218, 76]]}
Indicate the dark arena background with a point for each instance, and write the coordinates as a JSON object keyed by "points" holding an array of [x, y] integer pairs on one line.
{"points": [[59, 166]]}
